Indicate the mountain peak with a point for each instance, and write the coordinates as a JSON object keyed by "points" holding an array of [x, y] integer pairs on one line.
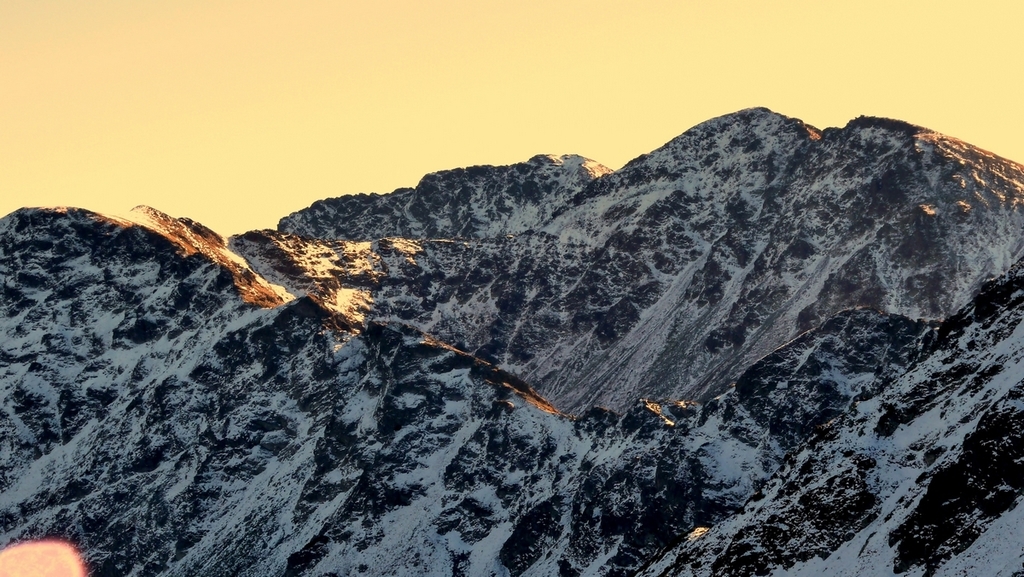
{"points": [[887, 124], [185, 235], [574, 161], [735, 134], [756, 118]]}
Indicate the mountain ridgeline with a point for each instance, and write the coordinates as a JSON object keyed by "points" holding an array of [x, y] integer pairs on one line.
{"points": [[668, 277], [761, 348]]}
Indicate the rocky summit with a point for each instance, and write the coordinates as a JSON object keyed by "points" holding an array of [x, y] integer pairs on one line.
{"points": [[762, 348]]}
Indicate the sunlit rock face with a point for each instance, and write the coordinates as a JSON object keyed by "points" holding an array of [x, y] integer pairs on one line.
{"points": [[672, 275]]}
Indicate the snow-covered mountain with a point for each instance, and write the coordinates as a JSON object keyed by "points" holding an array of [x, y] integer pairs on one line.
{"points": [[670, 276], [172, 425], [416, 396]]}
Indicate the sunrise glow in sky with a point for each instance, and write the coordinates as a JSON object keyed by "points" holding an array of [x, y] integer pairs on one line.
{"points": [[236, 113]]}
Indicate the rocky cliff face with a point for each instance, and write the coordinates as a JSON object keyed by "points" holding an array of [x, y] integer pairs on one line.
{"points": [[673, 274]]}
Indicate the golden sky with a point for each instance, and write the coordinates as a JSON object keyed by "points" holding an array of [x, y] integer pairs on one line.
{"points": [[236, 113]]}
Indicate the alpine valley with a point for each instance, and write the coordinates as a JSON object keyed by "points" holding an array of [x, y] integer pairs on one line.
{"points": [[762, 348]]}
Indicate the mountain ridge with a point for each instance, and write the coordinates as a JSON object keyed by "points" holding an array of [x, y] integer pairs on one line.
{"points": [[725, 243], [451, 203], [273, 403]]}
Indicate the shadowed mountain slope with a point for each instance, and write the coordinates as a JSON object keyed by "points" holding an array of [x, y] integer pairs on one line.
{"points": [[923, 478]]}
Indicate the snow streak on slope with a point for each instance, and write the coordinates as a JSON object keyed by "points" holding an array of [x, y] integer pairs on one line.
{"points": [[672, 275]]}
